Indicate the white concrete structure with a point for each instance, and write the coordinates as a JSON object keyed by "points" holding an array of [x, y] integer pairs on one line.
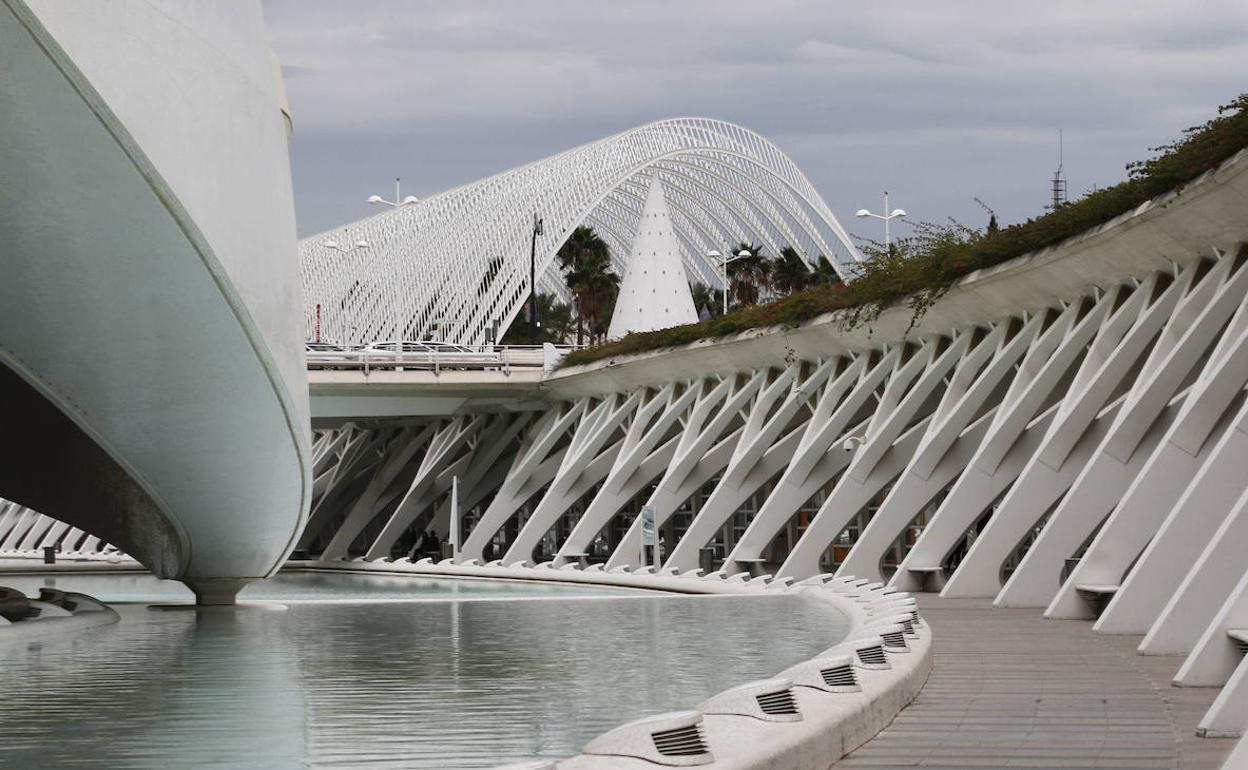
{"points": [[1063, 431], [151, 365], [455, 266], [25, 533], [655, 291]]}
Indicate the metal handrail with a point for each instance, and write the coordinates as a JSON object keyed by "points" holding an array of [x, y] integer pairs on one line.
{"points": [[502, 358]]}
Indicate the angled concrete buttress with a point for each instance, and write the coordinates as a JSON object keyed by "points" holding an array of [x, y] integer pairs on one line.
{"points": [[151, 367]]}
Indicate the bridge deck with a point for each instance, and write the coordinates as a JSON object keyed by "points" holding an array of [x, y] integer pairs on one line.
{"points": [[1012, 689]]}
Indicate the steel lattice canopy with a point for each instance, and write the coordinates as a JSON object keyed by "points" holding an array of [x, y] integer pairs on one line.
{"points": [[451, 266]]}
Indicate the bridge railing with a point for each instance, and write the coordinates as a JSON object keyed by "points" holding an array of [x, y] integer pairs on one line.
{"points": [[480, 358]]}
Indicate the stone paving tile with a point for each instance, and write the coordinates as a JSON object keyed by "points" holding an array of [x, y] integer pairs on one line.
{"points": [[1011, 689]]}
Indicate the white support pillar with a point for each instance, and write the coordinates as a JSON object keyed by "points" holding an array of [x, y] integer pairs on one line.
{"points": [[758, 456], [1215, 656], [1078, 423], [636, 465], [1227, 717], [532, 468], [360, 452], [843, 400], [947, 446], [402, 448], [588, 460], [1173, 506], [24, 521], [1112, 484], [35, 533], [892, 436], [705, 447], [1012, 438], [1238, 757], [1194, 604], [444, 449]]}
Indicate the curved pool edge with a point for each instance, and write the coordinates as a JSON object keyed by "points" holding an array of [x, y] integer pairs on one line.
{"points": [[833, 724]]}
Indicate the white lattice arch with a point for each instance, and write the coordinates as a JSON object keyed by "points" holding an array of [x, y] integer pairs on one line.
{"points": [[456, 263]]}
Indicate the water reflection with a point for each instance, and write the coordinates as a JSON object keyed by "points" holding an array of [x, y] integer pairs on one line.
{"points": [[426, 684]]}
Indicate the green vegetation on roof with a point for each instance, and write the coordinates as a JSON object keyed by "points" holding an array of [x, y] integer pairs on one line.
{"points": [[920, 268]]}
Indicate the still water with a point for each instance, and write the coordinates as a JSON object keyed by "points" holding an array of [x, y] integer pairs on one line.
{"points": [[317, 672]]}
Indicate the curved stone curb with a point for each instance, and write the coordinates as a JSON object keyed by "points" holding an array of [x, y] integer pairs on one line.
{"points": [[45, 628], [833, 724]]}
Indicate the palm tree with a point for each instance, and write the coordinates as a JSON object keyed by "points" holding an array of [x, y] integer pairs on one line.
{"points": [[556, 320], [790, 273], [705, 300], [749, 277], [595, 289], [586, 260], [825, 274]]}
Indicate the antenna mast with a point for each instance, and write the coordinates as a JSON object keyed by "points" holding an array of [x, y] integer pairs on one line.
{"points": [[1059, 178]]}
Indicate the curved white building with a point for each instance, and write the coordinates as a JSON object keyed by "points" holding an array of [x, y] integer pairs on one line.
{"points": [[455, 266], [151, 367]]}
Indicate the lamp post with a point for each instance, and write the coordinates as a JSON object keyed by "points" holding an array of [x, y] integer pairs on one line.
{"points": [[723, 266], [334, 245], [537, 230], [398, 200], [886, 216]]}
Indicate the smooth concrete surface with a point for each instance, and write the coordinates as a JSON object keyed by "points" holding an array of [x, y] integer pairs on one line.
{"points": [[1010, 688], [344, 394], [150, 291]]}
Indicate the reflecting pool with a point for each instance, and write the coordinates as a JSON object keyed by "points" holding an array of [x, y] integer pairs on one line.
{"points": [[441, 674]]}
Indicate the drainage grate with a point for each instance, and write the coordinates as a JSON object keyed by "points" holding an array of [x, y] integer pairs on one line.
{"points": [[872, 656], [777, 703], [681, 742], [895, 640], [840, 676]]}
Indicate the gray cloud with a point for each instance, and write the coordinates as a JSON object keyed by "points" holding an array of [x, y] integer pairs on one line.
{"points": [[937, 102]]}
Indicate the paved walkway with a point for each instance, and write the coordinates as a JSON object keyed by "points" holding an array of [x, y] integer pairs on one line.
{"points": [[1012, 689]]}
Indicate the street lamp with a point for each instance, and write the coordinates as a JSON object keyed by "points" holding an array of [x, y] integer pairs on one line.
{"points": [[398, 199], [537, 230], [888, 215], [723, 266], [332, 244]]}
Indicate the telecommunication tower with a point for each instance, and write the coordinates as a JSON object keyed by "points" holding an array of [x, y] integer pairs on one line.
{"points": [[1059, 179]]}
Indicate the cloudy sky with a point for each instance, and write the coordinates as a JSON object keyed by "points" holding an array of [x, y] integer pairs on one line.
{"points": [[937, 102]]}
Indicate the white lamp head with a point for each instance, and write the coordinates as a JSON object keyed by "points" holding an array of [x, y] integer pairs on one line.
{"points": [[714, 254], [330, 244], [411, 199], [376, 199], [897, 213], [862, 213], [361, 244], [744, 253]]}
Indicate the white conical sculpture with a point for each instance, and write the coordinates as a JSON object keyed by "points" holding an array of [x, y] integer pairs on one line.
{"points": [[655, 292]]}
